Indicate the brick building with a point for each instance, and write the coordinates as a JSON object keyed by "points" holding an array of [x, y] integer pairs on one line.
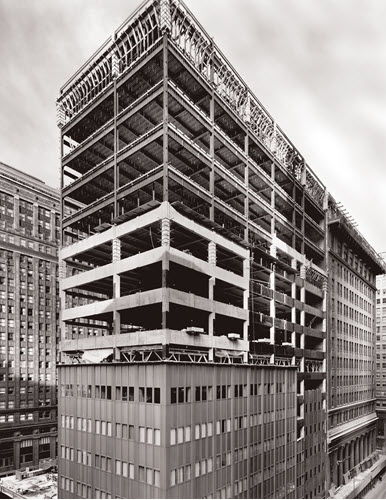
{"points": [[29, 232]]}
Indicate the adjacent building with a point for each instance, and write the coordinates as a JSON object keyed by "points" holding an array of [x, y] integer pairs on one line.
{"points": [[380, 373], [29, 232], [352, 420], [193, 278]]}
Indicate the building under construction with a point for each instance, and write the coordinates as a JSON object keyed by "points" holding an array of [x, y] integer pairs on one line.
{"points": [[193, 278]]}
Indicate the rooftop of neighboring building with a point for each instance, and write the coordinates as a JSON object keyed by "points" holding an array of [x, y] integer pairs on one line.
{"points": [[19, 177], [40, 485]]}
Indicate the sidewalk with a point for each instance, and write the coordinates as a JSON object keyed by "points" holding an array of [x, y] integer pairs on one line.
{"points": [[356, 485]]}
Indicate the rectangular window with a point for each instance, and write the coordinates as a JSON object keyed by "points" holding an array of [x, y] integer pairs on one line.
{"points": [[180, 474], [157, 437], [156, 478]]}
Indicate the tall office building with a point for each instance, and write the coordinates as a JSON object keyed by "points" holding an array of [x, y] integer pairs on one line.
{"points": [[29, 232], [193, 278], [352, 421], [380, 372]]}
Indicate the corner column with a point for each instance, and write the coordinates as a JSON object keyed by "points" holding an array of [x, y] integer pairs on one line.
{"points": [[116, 256], [165, 242], [212, 258]]}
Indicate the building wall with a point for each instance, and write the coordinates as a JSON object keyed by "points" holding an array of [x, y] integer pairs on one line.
{"points": [[29, 232], [351, 355], [380, 390], [192, 431]]}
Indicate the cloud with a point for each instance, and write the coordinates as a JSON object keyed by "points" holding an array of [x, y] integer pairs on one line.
{"points": [[318, 67]]}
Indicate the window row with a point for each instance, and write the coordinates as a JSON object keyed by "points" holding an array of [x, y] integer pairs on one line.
{"points": [[83, 490], [118, 393], [205, 393], [67, 484]]}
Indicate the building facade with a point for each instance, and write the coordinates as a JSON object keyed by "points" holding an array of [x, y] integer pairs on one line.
{"points": [[29, 232], [193, 278], [380, 373], [352, 420]]}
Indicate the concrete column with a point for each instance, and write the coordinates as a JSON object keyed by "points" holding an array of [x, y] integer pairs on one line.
{"points": [[52, 225], [165, 232], [246, 275], [16, 454], [52, 446], [16, 211], [165, 117], [339, 474], [366, 446], [356, 448], [35, 451], [212, 282], [352, 454], [332, 469], [272, 308], [246, 182], [35, 219], [116, 256], [165, 242], [116, 250], [212, 253], [345, 458], [62, 296], [361, 451]]}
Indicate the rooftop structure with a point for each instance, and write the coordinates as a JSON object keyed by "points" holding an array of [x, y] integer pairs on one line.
{"points": [[32, 484]]}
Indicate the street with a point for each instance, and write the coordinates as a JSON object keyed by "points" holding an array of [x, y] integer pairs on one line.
{"points": [[379, 490]]}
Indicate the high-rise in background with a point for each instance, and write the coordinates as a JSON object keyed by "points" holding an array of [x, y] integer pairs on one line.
{"points": [[29, 319]]}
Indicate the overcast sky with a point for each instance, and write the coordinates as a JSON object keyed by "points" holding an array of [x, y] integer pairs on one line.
{"points": [[318, 66]]}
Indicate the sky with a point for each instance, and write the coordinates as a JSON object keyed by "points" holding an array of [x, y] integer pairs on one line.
{"points": [[318, 66]]}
